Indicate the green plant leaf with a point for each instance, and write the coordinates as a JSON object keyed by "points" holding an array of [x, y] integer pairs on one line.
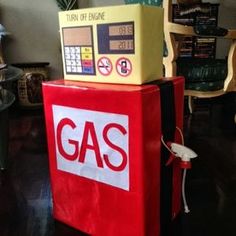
{"points": [[66, 4]]}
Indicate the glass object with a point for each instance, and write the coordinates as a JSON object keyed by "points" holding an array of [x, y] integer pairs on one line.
{"points": [[7, 76], [6, 100]]}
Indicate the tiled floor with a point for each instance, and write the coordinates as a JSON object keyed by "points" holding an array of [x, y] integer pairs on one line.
{"points": [[25, 197]]}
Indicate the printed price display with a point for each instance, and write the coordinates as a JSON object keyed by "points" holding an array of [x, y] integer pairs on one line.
{"points": [[116, 38], [121, 45], [124, 29]]}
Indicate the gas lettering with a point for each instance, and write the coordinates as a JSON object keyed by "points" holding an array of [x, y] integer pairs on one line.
{"points": [[71, 124], [92, 144], [89, 130], [115, 147]]}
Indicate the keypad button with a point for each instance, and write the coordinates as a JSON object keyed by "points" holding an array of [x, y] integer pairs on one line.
{"points": [[73, 62], [78, 62], [74, 69], [67, 56], [87, 56], [86, 50], [88, 70], [77, 49], [72, 56], [77, 56], [68, 69], [68, 62], [79, 69], [72, 50], [67, 50]]}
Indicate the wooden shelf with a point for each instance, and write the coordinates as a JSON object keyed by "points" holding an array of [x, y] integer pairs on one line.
{"points": [[197, 47]]}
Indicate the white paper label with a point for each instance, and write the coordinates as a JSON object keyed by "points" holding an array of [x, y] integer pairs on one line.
{"points": [[92, 144]]}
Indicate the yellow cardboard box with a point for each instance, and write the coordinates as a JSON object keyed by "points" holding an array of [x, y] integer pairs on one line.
{"points": [[118, 44]]}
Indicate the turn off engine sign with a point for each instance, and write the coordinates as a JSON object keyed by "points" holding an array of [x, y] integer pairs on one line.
{"points": [[92, 144]]}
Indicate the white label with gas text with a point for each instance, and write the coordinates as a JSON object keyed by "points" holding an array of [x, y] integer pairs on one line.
{"points": [[92, 144]]}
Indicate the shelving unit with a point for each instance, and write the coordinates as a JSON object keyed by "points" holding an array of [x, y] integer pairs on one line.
{"points": [[197, 47]]}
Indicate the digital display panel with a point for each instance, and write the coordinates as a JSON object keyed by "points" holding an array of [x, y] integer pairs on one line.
{"points": [[115, 30], [116, 38], [121, 44]]}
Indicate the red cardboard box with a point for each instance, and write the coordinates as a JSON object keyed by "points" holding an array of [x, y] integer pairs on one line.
{"points": [[104, 153]]}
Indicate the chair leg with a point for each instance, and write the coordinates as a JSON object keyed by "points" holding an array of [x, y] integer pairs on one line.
{"points": [[190, 104]]}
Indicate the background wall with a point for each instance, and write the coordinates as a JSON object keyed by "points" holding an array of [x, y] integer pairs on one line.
{"points": [[35, 36], [34, 32]]}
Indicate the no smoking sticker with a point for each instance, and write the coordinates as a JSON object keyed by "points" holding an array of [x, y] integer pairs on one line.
{"points": [[123, 66], [104, 65]]}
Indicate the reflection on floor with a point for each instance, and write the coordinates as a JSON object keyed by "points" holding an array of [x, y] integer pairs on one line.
{"points": [[211, 131], [25, 197]]}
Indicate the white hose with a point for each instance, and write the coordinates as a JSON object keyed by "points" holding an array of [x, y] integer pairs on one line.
{"points": [[186, 209]]}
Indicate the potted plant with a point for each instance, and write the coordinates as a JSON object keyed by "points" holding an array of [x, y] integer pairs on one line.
{"points": [[66, 5]]}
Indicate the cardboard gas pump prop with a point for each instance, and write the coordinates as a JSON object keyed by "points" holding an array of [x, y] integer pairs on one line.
{"points": [[111, 175], [121, 44]]}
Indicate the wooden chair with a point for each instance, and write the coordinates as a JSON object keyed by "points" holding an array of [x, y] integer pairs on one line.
{"points": [[173, 33]]}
